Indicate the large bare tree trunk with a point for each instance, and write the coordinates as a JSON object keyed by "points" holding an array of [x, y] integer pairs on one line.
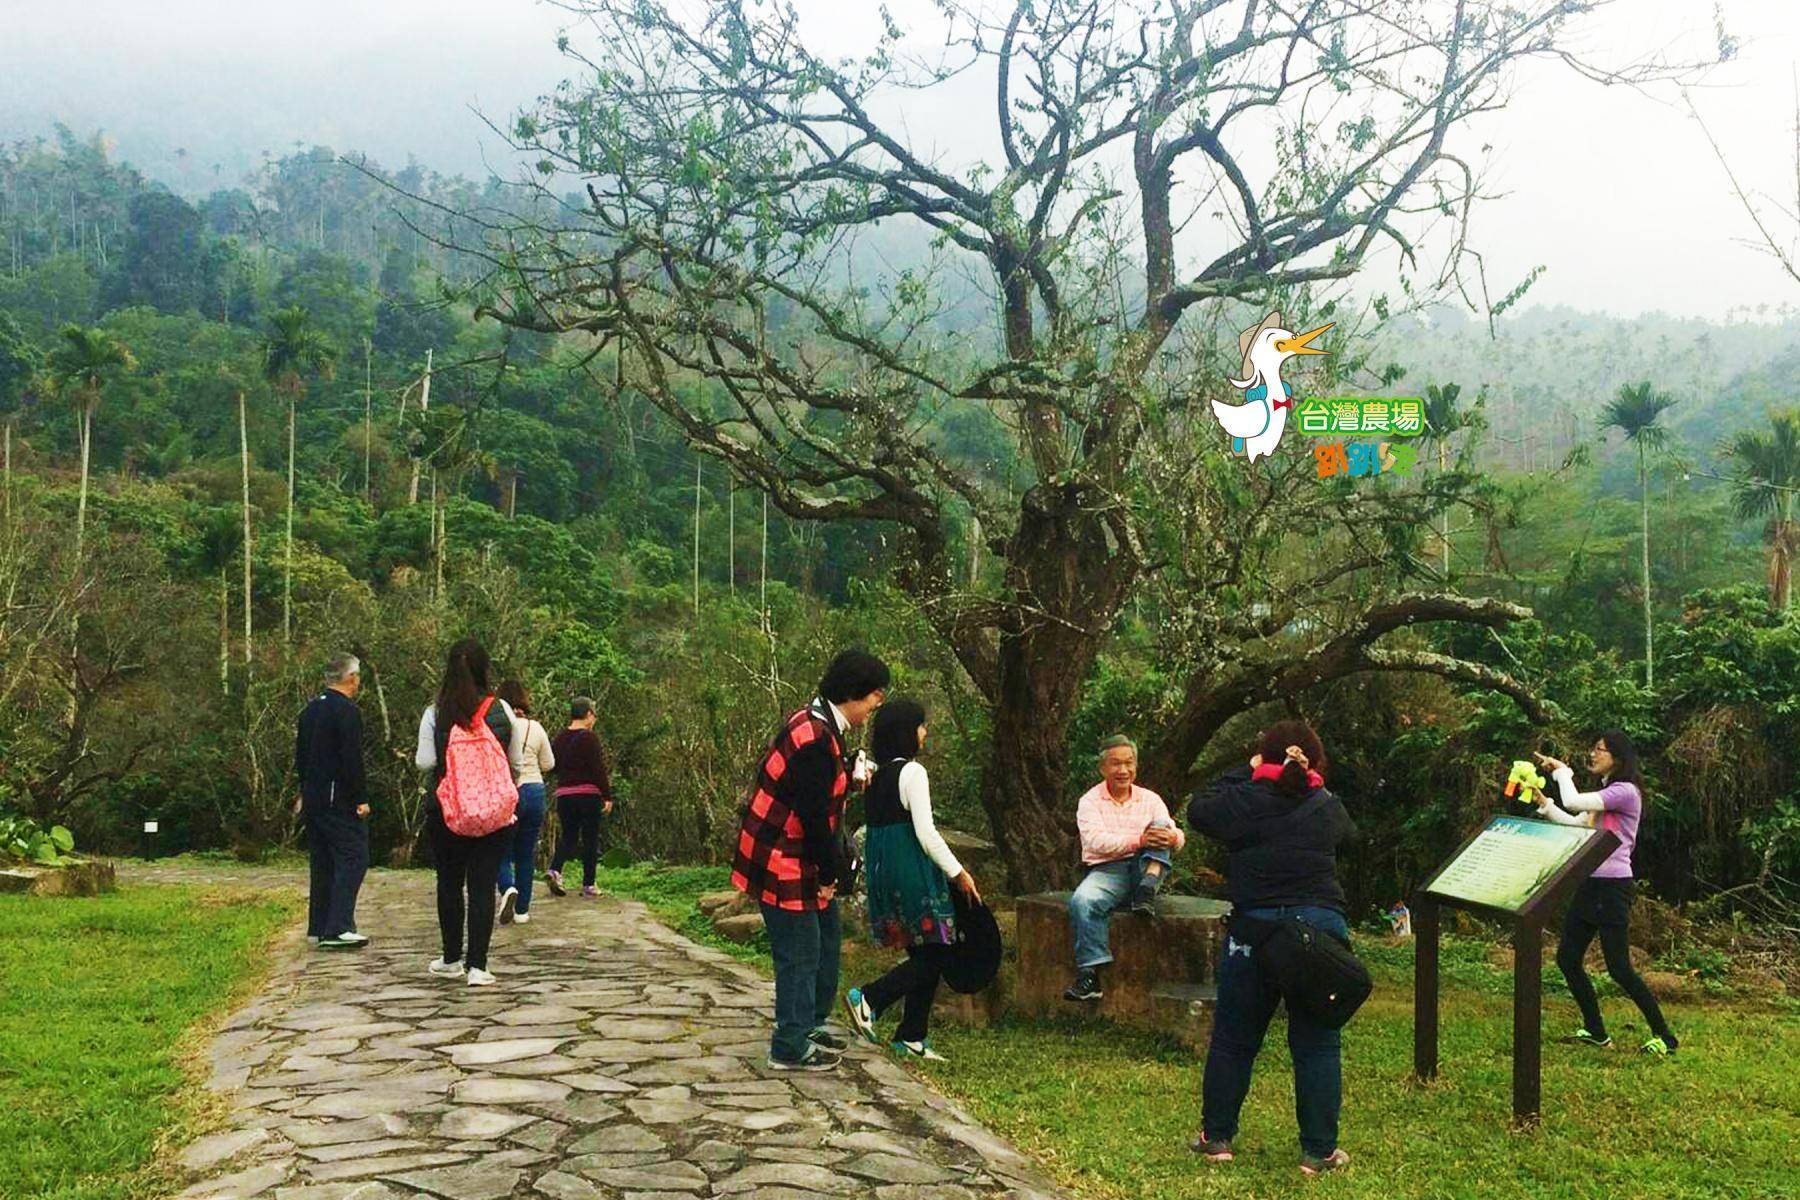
{"points": [[1072, 580]]}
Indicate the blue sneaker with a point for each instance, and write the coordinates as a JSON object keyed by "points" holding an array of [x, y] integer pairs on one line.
{"points": [[918, 1050], [861, 1015]]}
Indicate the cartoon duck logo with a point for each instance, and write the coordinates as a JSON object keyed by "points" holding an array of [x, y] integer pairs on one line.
{"points": [[1255, 426]]}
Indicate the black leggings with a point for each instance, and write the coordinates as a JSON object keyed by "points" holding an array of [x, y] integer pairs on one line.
{"points": [[915, 980], [578, 825], [1603, 906], [471, 864]]}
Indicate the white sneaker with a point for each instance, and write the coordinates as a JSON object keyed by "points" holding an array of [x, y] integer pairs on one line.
{"points": [[454, 970], [360, 939], [481, 978], [509, 899], [521, 918]]}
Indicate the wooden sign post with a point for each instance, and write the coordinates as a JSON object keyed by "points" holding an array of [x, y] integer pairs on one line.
{"points": [[1517, 869]]}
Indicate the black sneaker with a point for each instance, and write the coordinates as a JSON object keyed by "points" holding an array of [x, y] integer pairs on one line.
{"points": [[829, 1040], [1086, 985], [1336, 1160], [1143, 902], [1212, 1151], [816, 1058]]}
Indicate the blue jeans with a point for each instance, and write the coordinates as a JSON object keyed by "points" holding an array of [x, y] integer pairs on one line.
{"points": [[806, 947], [1106, 886], [1247, 1001], [519, 863]]}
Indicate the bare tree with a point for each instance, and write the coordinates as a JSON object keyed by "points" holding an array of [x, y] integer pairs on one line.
{"points": [[1157, 167]]}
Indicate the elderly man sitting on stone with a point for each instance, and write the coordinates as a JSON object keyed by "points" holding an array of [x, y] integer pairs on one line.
{"points": [[1127, 841]]}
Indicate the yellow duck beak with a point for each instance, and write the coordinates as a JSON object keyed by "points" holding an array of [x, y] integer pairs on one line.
{"points": [[1298, 344]]}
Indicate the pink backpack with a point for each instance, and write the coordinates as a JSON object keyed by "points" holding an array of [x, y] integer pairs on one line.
{"points": [[477, 793]]}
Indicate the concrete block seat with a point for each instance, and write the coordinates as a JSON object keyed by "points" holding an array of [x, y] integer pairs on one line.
{"points": [[1160, 978]]}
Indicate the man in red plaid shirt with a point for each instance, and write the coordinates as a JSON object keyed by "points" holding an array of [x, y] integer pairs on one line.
{"points": [[786, 856]]}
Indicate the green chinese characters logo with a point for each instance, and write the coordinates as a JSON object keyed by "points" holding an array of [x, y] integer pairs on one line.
{"points": [[1362, 416]]}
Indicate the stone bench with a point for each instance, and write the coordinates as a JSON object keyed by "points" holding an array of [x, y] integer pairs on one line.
{"points": [[1160, 978], [91, 877]]}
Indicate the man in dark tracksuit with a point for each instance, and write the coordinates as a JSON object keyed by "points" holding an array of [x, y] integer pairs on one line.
{"points": [[328, 759]]}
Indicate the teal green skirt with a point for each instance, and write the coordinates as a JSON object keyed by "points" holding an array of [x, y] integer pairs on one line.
{"points": [[909, 897]]}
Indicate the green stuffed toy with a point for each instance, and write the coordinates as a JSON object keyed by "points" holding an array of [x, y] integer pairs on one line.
{"points": [[1524, 783]]}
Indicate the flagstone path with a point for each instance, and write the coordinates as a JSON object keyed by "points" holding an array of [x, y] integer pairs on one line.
{"points": [[615, 1060]]}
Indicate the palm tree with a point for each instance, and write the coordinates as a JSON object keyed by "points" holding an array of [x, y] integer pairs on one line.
{"points": [[80, 365], [1444, 418], [244, 460], [1637, 412], [1771, 474], [449, 437], [221, 538], [293, 348]]}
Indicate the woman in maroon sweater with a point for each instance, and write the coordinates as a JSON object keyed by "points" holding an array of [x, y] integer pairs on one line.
{"points": [[583, 795]]}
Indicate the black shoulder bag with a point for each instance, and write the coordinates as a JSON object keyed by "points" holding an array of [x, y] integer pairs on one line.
{"points": [[849, 862], [1318, 973]]}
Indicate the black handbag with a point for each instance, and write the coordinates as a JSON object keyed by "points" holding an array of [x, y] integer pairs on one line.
{"points": [[849, 862], [1317, 972]]}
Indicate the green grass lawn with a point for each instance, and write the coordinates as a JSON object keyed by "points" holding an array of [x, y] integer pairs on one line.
{"points": [[95, 997], [1109, 1112]]}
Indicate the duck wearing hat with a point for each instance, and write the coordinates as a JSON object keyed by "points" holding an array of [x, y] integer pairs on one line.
{"points": [[1255, 426]]}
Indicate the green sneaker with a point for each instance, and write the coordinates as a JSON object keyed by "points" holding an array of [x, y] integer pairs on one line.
{"points": [[1582, 1037], [1657, 1047], [343, 942]]}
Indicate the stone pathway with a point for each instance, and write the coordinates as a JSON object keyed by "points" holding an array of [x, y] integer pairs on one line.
{"points": [[616, 1059]]}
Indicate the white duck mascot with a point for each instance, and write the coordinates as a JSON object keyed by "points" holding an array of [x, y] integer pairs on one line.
{"points": [[1255, 426]]}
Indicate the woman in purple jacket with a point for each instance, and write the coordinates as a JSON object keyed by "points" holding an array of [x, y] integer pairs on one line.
{"points": [[1602, 903]]}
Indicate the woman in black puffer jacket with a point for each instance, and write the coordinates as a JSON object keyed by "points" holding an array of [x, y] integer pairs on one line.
{"points": [[1282, 829]]}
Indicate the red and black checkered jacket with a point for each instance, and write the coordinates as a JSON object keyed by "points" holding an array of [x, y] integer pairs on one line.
{"points": [[785, 847]]}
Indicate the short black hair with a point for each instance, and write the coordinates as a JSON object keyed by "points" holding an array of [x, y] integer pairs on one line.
{"points": [[896, 730], [852, 675]]}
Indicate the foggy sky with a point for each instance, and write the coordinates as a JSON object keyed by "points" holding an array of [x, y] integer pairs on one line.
{"points": [[1614, 191]]}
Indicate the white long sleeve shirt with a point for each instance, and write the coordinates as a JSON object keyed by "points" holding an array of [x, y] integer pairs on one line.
{"points": [[915, 798]]}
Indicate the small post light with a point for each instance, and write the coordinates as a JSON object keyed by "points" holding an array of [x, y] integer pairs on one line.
{"points": [[151, 825]]}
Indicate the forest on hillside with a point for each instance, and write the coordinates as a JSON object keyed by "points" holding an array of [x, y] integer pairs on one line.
{"points": [[246, 429]]}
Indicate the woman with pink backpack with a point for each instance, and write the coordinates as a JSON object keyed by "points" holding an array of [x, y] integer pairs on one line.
{"points": [[468, 741]]}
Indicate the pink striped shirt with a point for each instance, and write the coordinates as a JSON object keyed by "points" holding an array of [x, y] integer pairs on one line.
{"points": [[1114, 829]]}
